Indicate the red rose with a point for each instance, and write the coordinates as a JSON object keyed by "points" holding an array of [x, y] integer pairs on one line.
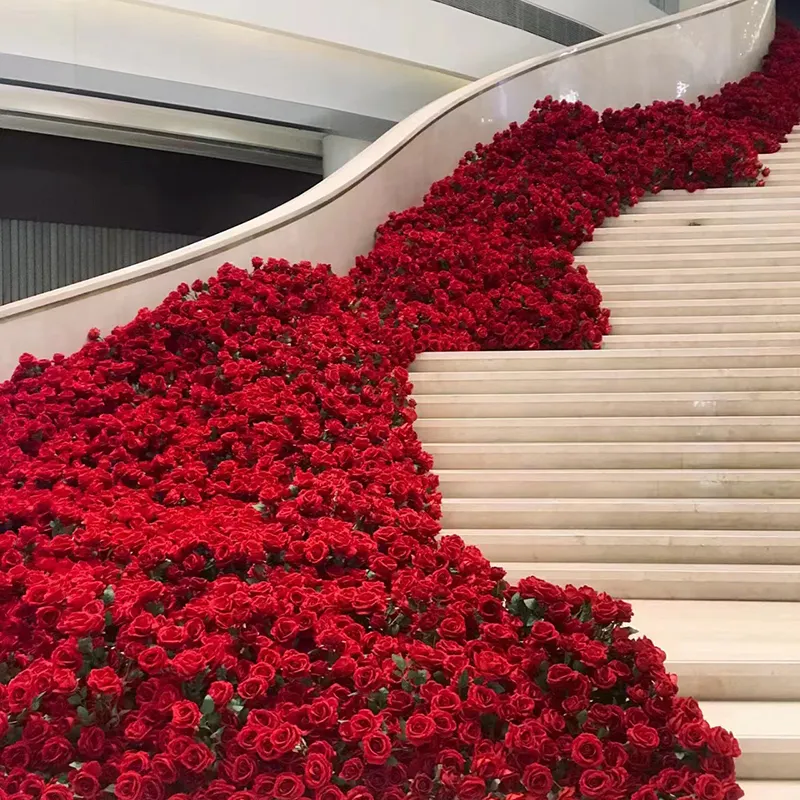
{"points": [[707, 787], [537, 779], [56, 791], [221, 692], [196, 758], [16, 756], [587, 751], [56, 752], [128, 786], [452, 627], [330, 793], [377, 748], [595, 784], [288, 787], [472, 788], [105, 681], [153, 660], [253, 688], [351, 770], [85, 784], [285, 737], [646, 793], [317, 771], [420, 728], [693, 735], [643, 737], [186, 714], [151, 789], [91, 742], [188, 664], [723, 743]]}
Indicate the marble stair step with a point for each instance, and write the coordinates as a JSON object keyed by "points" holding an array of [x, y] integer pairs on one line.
{"points": [[621, 483], [731, 582], [764, 379], [634, 546], [677, 292], [753, 243], [616, 455], [628, 404], [693, 230], [496, 430], [604, 277], [641, 341], [482, 513], [717, 656], [769, 735], [689, 309], [742, 323], [747, 216], [770, 790], [725, 257], [555, 361]]}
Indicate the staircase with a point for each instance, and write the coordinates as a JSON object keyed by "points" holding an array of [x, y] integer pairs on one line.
{"points": [[664, 468]]}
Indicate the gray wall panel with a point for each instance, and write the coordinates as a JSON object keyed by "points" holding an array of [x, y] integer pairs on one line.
{"points": [[36, 257]]}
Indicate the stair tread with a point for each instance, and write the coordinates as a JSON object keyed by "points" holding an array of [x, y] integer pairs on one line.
{"points": [[770, 790]]}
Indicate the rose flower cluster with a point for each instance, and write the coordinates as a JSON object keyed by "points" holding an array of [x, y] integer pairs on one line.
{"points": [[221, 570]]}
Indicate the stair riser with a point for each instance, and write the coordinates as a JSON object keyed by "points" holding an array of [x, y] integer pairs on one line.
{"points": [[565, 382], [606, 278], [590, 486], [509, 406], [547, 546], [701, 291], [750, 193], [750, 219], [681, 586], [703, 681], [686, 340], [688, 261], [573, 360], [684, 245], [606, 430], [615, 457], [666, 233], [764, 324], [621, 310], [633, 515], [757, 203], [756, 764]]}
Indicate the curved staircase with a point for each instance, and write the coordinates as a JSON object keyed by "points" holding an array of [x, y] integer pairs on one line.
{"points": [[664, 468]]}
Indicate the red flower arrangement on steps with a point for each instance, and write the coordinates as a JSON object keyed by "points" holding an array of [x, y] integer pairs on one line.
{"points": [[220, 571]]}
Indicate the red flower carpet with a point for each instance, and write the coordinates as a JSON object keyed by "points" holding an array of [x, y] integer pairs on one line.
{"points": [[221, 577]]}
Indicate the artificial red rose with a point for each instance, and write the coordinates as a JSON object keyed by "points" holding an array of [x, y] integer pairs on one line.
{"points": [[221, 692], [128, 786], [56, 752], [472, 788], [351, 770], [537, 779], [288, 786], [188, 664], [587, 751], [420, 729], [252, 688], [723, 743], [377, 747], [153, 659], [196, 758], [152, 788], [56, 791], [91, 742], [186, 714], [645, 793], [643, 737], [693, 735], [330, 793], [595, 784], [104, 681], [285, 737], [85, 784], [707, 787], [317, 771]]}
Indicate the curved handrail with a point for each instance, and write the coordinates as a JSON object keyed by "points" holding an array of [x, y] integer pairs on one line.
{"points": [[287, 227]]}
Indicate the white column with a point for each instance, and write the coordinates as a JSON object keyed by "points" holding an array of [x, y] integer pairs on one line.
{"points": [[338, 150]]}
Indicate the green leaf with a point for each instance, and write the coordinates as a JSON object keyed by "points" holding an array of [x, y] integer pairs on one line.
{"points": [[108, 595], [208, 705], [463, 682], [84, 717], [399, 662]]}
